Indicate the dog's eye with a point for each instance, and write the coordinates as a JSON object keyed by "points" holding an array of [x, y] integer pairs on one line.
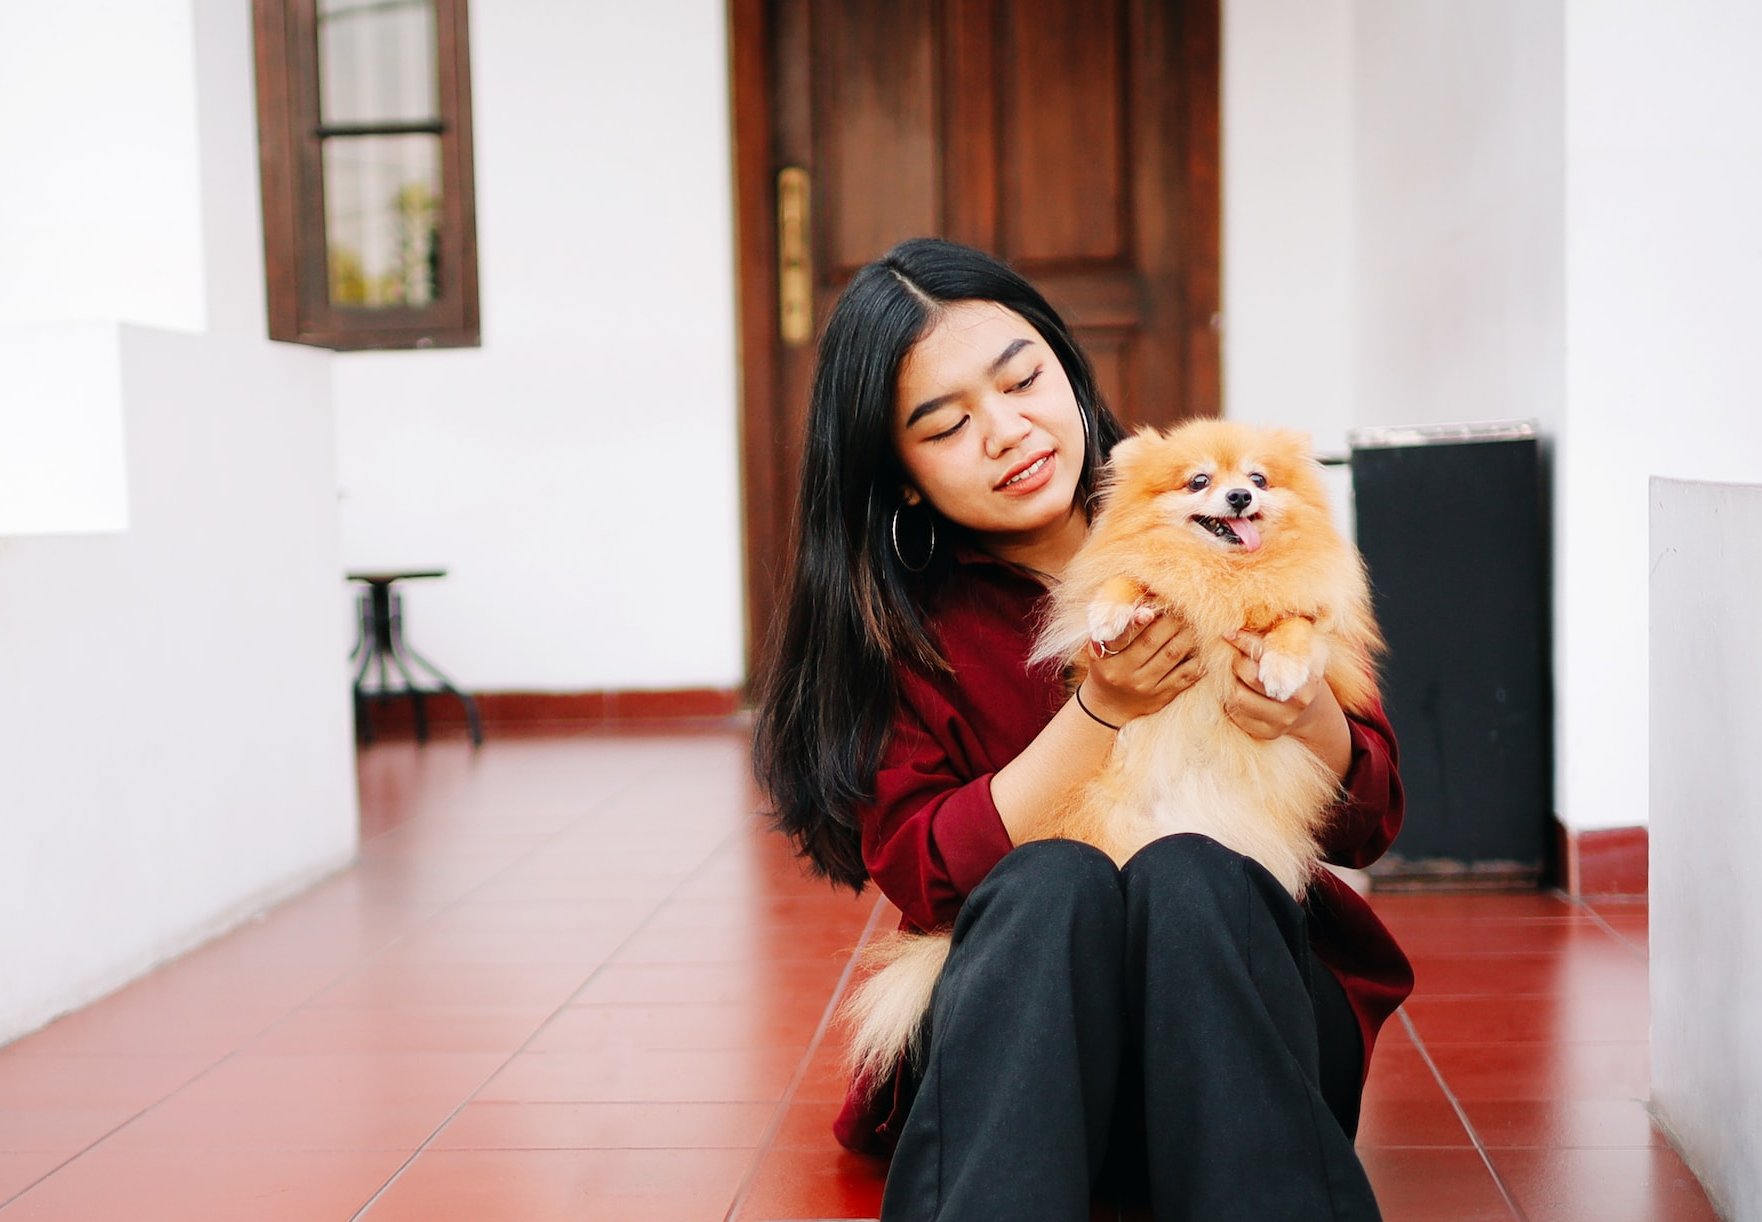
{"points": [[1257, 479], [1199, 483]]}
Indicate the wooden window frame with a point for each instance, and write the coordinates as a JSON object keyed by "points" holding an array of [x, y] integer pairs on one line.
{"points": [[289, 142]]}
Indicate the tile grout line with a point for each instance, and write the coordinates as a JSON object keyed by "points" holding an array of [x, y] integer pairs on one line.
{"points": [[306, 1004], [249, 1039], [740, 830], [801, 1069], [1462, 1118], [1615, 933], [181, 1087], [78, 1154]]}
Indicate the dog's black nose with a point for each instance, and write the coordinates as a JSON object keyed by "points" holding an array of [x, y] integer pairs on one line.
{"points": [[1239, 498]]}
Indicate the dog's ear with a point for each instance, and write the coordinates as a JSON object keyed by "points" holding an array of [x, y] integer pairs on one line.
{"points": [[1293, 443], [1291, 462], [1129, 454]]}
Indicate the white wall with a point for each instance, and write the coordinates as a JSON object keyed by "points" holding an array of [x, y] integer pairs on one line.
{"points": [[104, 215], [1286, 139], [174, 714], [578, 475], [1393, 184], [62, 468], [1664, 374], [1706, 832], [173, 698], [1458, 182], [100, 156]]}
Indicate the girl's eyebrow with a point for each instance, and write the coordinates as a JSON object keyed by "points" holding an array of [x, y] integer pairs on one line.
{"points": [[1003, 358]]}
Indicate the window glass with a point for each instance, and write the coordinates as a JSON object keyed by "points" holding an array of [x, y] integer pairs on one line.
{"points": [[376, 62], [382, 210]]}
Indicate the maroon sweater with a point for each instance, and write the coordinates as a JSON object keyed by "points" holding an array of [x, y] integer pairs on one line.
{"points": [[932, 832]]}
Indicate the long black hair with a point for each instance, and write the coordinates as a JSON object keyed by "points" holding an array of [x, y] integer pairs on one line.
{"points": [[851, 619]]}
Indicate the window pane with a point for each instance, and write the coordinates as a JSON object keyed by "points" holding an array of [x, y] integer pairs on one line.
{"points": [[376, 61], [382, 199]]}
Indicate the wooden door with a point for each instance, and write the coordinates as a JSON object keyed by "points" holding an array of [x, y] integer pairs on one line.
{"points": [[1076, 139]]}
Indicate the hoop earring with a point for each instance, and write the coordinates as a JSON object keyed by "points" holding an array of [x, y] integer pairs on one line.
{"points": [[1088, 444], [927, 555]]}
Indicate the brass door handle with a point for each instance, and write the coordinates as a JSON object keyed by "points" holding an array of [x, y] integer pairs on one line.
{"points": [[795, 272]]}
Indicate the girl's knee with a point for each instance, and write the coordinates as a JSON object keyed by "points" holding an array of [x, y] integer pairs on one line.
{"points": [[1195, 875], [1192, 867], [1054, 874], [1184, 852], [1064, 862]]}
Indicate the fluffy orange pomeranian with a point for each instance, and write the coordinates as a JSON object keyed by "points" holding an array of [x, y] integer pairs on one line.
{"points": [[1227, 527]]}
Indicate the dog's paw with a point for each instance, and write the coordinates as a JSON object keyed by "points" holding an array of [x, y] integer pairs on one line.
{"points": [[1283, 675], [1107, 620]]}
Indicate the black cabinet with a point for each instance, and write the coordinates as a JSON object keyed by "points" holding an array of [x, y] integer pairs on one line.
{"points": [[1452, 524]]}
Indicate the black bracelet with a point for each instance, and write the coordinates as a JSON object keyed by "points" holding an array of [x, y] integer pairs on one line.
{"points": [[1078, 693]]}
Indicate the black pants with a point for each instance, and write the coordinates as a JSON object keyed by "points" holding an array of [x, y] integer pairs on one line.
{"points": [[1166, 1019]]}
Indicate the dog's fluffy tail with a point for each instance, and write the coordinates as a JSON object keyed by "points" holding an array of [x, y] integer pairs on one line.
{"points": [[886, 1011]]}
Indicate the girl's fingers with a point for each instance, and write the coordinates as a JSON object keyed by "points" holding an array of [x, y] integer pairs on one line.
{"points": [[1143, 620], [1252, 644], [1248, 671], [1142, 617], [1160, 661], [1181, 676], [1159, 636], [1130, 647], [1180, 648]]}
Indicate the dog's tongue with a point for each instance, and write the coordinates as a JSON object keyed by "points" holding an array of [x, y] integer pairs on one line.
{"points": [[1245, 531]]}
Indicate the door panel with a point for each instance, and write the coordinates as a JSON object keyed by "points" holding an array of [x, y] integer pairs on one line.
{"points": [[1075, 138], [1060, 162], [1113, 353], [874, 142]]}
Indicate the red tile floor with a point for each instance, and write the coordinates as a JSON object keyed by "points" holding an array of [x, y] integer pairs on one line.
{"points": [[569, 979]]}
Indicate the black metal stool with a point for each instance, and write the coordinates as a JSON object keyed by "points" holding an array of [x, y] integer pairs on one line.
{"points": [[382, 639]]}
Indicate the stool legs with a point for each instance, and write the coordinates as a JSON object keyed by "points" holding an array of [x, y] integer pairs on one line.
{"points": [[471, 717], [382, 641]]}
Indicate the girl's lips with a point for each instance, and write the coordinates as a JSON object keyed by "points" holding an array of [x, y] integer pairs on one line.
{"points": [[1036, 479]]}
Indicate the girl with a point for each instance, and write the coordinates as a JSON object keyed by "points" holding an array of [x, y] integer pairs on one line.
{"points": [[1180, 1025]]}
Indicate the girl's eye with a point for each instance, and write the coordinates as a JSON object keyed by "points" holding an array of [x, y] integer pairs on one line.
{"points": [[1257, 479], [1027, 381], [949, 432], [1199, 483]]}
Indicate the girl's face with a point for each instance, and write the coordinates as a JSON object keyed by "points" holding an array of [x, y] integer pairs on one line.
{"points": [[987, 427]]}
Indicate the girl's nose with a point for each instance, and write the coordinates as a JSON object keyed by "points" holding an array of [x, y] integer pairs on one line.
{"points": [[1008, 432]]}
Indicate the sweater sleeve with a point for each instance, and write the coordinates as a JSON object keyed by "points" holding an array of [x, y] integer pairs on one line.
{"points": [[1369, 812], [931, 834]]}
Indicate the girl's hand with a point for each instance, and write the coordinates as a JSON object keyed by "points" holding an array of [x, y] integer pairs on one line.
{"points": [[1154, 660], [1312, 715]]}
